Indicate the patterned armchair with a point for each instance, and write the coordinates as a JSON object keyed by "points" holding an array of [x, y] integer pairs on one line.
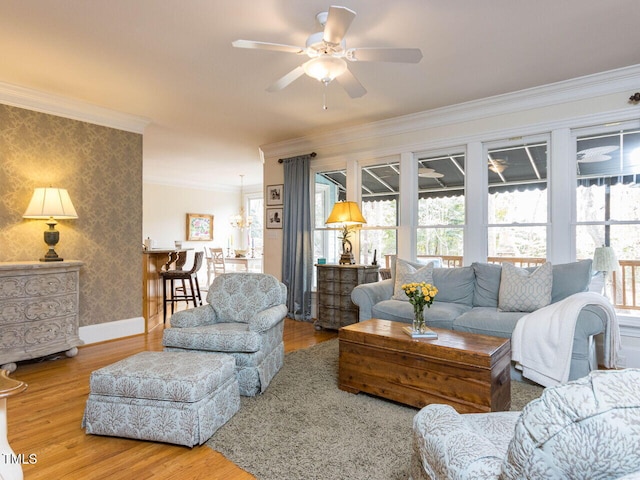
{"points": [[244, 318], [588, 428]]}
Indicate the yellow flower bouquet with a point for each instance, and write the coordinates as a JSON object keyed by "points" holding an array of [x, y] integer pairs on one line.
{"points": [[420, 295]]}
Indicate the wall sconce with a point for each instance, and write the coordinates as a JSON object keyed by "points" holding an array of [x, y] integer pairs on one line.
{"points": [[348, 214], [51, 204]]}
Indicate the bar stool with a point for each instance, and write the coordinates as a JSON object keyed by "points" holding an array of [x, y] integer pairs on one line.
{"points": [[192, 294]]}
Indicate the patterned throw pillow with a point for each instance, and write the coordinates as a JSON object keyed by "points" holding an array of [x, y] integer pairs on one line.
{"points": [[407, 273], [525, 291]]}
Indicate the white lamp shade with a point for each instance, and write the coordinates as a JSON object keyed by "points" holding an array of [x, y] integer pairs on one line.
{"points": [[325, 68], [50, 202], [604, 260]]}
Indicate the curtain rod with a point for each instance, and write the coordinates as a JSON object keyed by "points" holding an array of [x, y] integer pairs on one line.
{"points": [[312, 154]]}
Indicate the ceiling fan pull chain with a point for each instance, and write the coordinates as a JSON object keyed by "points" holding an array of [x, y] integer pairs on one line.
{"points": [[324, 97]]}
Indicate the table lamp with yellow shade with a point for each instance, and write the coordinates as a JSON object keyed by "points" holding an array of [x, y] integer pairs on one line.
{"points": [[51, 204], [348, 214]]}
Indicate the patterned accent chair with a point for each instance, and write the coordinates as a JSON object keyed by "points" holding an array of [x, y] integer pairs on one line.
{"points": [[588, 428], [244, 318]]}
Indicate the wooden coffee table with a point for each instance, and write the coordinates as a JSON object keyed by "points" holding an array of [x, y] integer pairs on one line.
{"points": [[470, 372]]}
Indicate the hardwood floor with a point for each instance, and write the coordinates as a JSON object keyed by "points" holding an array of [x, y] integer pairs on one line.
{"points": [[44, 421]]}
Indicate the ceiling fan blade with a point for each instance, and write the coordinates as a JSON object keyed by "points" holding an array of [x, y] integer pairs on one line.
{"points": [[351, 84], [338, 22], [267, 46], [402, 55], [287, 79]]}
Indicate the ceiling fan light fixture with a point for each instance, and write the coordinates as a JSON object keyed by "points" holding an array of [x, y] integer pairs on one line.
{"points": [[325, 68]]}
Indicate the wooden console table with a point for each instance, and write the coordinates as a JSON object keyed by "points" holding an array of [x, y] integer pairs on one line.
{"points": [[470, 372], [38, 310]]}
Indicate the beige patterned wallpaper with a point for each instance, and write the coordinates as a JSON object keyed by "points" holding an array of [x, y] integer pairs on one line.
{"points": [[102, 170]]}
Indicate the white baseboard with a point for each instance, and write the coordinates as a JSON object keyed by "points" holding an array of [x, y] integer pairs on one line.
{"points": [[112, 330]]}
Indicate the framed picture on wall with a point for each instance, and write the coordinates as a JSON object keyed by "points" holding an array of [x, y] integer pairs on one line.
{"points": [[199, 227], [274, 194], [274, 217]]}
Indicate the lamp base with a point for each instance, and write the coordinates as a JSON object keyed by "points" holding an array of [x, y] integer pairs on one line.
{"points": [[51, 238], [347, 259], [57, 259], [51, 256]]}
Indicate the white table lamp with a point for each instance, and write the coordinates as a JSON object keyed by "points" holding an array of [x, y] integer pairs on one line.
{"points": [[605, 260], [51, 204]]}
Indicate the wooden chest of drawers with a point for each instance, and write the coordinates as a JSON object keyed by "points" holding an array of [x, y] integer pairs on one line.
{"points": [[38, 310], [335, 283]]}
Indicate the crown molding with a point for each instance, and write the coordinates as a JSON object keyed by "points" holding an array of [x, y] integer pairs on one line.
{"points": [[29, 99], [173, 182], [596, 85]]}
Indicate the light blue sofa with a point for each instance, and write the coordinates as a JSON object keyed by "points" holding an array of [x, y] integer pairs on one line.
{"points": [[467, 301]]}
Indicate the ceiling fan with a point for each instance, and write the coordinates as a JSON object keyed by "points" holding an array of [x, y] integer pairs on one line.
{"points": [[327, 53], [425, 172], [596, 154]]}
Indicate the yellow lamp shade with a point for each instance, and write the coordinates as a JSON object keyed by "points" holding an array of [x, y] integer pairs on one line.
{"points": [[347, 213]]}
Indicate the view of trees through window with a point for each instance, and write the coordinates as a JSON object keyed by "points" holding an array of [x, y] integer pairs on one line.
{"points": [[608, 194], [608, 206], [517, 201], [381, 241], [441, 208]]}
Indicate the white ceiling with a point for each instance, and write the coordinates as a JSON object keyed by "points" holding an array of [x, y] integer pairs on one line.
{"points": [[172, 62]]}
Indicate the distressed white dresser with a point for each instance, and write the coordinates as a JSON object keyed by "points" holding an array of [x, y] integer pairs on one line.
{"points": [[38, 310]]}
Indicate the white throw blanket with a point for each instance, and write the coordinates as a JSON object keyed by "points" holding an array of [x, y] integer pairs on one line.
{"points": [[542, 342]]}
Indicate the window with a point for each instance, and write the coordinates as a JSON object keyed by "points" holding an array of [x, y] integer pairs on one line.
{"points": [[379, 195], [441, 206], [329, 188], [255, 212], [608, 204], [517, 203]]}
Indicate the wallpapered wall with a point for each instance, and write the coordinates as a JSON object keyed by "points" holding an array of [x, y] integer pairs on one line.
{"points": [[102, 170]]}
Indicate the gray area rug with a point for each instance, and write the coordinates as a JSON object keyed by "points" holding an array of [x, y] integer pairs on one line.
{"points": [[304, 427]]}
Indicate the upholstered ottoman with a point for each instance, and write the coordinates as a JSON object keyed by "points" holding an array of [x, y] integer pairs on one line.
{"points": [[173, 397]]}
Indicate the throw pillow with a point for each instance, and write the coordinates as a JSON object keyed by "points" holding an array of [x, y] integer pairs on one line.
{"points": [[407, 273], [525, 291], [487, 285], [421, 262]]}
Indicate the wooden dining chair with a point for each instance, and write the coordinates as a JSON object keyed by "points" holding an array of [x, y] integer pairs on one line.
{"points": [[215, 263]]}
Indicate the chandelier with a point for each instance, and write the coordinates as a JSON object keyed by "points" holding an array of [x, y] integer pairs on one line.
{"points": [[241, 220]]}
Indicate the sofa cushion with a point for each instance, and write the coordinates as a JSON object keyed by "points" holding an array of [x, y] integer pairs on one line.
{"points": [[454, 285], [440, 315], [524, 291], [485, 293], [488, 321], [221, 337], [582, 429], [570, 278], [145, 375], [407, 273]]}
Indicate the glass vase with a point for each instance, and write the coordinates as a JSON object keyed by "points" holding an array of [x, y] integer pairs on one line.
{"points": [[418, 319]]}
